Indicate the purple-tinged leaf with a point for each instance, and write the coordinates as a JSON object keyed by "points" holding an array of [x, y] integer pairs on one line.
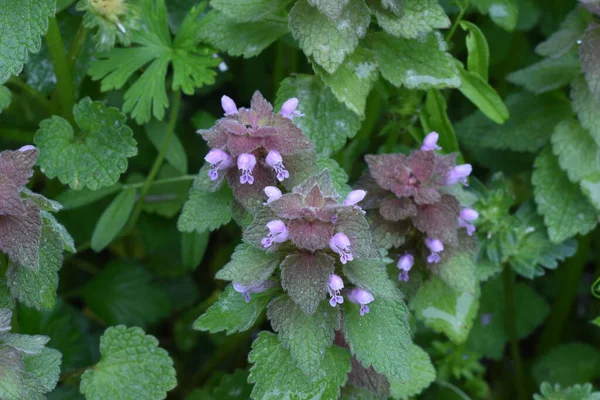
{"points": [[592, 6], [353, 224], [18, 165], [10, 198], [439, 220], [589, 54], [393, 209], [311, 236], [304, 277], [368, 378], [251, 196], [323, 180], [20, 236]]}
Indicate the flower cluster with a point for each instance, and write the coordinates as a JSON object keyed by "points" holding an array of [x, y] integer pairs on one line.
{"points": [[20, 220], [408, 198], [256, 148], [312, 228]]}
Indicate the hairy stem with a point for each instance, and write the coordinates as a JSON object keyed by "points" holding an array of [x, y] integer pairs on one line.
{"points": [[64, 81], [137, 211], [511, 330], [570, 276]]}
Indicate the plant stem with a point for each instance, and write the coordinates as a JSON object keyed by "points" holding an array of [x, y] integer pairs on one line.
{"points": [[137, 211], [77, 45], [511, 330], [64, 81], [570, 276], [165, 181], [30, 91], [463, 10]]}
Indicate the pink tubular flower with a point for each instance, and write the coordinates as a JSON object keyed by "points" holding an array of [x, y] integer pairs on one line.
{"points": [[468, 215], [274, 160], [218, 160], [228, 105], [334, 286], [288, 109], [459, 174], [26, 148], [278, 233], [340, 244], [246, 163], [272, 193], [256, 288], [435, 246], [430, 142], [405, 264], [362, 297], [355, 197]]}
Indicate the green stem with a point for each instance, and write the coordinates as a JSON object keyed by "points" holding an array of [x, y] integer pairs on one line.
{"points": [[77, 45], [165, 181], [511, 330], [30, 91], [463, 10], [570, 277], [64, 81], [137, 211]]}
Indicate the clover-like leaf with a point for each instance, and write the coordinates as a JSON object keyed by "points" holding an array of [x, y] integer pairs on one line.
{"points": [[131, 366], [93, 157]]}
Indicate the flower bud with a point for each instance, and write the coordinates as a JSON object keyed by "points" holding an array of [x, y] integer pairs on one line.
{"points": [[335, 282], [459, 174], [430, 142], [354, 197], [362, 297], [228, 105], [468, 214], [340, 244], [278, 233], [246, 163], [26, 148], [288, 109], [272, 193], [405, 262]]}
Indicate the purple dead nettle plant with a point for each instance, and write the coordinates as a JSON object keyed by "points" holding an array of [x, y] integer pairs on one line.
{"points": [[255, 147], [20, 219], [315, 234], [409, 205]]}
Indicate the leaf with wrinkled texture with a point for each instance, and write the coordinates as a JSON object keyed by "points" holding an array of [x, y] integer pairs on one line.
{"points": [[380, 338], [568, 364], [307, 337], [327, 122], [421, 374], [563, 40], [131, 366], [566, 210], [372, 276], [275, 375], [249, 266], [329, 41], [425, 62], [419, 16], [587, 107], [23, 23], [590, 58], [304, 277], [546, 75], [248, 11], [231, 313], [94, 157]]}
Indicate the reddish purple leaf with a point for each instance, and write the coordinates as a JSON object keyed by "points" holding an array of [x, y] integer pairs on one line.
{"points": [[393, 209], [10, 198], [18, 165], [311, 236], [20, 236], [439, 221]]}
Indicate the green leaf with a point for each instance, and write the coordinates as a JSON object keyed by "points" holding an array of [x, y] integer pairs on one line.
{"points": [[568, 364], [445, 310], [93, 158], [504, 13], [131, 366], [589, 57], [566, 210], [483, 96], [155, 52], [434, 118], [193, 247], [339, 177], [328, 41], [167, 198], [458, 272], [327, 122], [71, 199], [287, 381], [42, 372], [113, 219], [231, 313], [546, 75], [578, 155], [587, 107], [36, 287], [425, 62], [5, 98], [123, 293], [488, 335], [419, 16], [249, 11], [233, 387], [305, 336], [478, 60], [371, 275], [353, 80], [421, 374], [11, 374], [380, 338], [175, 154], [246, 39], [205, 211], [575, 392], [23, 23], [532, 120], [563, 40], [249, 266], [331, 8]]}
